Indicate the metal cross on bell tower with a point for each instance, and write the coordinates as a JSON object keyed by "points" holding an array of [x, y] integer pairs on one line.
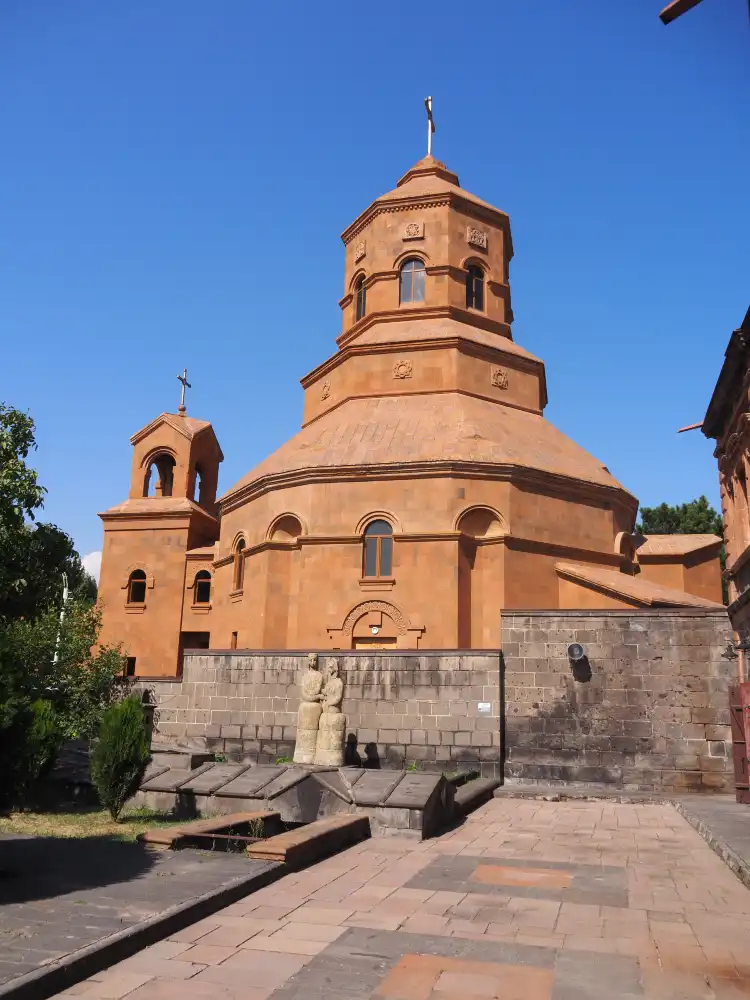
{"points": [[430, 124], [185, 385]]}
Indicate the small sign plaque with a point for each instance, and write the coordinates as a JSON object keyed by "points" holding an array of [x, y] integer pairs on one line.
{"points": [[485, 707]]}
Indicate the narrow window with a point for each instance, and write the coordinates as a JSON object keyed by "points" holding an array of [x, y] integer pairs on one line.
{"points": [[233, 641], [475, 288], [361, 295], [239, 564], [130, 667], [202, 587], [378, 549], [137, 587], [411, 285]]}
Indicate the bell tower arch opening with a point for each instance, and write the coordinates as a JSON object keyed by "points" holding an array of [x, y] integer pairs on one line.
{"points": [[159, 478]]}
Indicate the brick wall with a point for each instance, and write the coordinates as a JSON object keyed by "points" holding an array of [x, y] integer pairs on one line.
{"points": [[416, 706], [648, 710]]}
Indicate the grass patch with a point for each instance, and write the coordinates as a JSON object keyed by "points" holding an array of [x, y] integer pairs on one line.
{"points": [[87, 822]]}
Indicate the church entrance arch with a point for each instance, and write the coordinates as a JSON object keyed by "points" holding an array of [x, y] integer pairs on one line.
{"points": [[375, 625]]}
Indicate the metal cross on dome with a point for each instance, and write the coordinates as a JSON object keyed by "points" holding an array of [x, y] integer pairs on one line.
{"points": [[185, 385]]}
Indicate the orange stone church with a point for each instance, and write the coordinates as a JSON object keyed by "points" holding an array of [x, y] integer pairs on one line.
{"points": [[424, 494]]}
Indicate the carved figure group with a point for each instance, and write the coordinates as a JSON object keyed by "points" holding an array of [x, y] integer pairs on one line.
{"points": [[320, 722]]}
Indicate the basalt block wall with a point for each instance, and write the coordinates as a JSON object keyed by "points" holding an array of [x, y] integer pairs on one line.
{"points": [[647, 710], [439, 710]]}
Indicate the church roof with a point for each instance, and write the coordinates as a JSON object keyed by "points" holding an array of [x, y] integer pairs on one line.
{"points": [[674, 545], [634, 588], [432, 428], [431, 177], [189, 426], [428, 178]]}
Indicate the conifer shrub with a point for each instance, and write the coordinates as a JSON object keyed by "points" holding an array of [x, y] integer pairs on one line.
{"points": [[121, 753]]}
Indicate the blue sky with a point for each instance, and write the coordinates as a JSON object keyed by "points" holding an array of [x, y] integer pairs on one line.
{"points": [[175, 175]]}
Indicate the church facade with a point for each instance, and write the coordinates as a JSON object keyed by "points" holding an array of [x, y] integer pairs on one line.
{"points": [[424, 494]]}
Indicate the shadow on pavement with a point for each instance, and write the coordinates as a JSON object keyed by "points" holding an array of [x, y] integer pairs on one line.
{"points": [[45, 867]]}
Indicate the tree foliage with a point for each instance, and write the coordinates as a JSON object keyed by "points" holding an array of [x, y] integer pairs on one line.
{"points": [[20, 494], [55, 682], [695, 518], [120, 754]]}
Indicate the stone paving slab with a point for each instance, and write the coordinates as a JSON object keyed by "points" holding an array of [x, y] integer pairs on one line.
{"points": [[378, 921], [725, 824], [58, 896], [602, 885]]}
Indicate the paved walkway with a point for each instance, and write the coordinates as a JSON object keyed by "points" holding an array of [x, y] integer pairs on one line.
{"points": [[59, 895], [527, 900]]}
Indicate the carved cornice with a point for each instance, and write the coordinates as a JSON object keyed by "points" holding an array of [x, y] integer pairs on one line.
{"points": [[518, 362], [156, 515], [403, 205], [548, 482], [476, 319], [468, 207], [519, 543]]}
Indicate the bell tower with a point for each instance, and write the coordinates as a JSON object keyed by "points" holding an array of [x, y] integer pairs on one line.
{"points": [[167, 523]]}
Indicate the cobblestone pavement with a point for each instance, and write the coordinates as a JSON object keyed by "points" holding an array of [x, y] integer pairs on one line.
{"points": [[526, 900], [59, 895]]}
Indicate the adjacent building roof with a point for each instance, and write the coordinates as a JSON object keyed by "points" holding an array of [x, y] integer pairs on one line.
{"points": [[440, 427], [674, 545], [633, 588]]}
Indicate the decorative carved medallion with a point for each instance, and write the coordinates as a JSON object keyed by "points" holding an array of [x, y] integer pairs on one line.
{"points": [[499, 378], [326, 390], [477, 237], [414, 231], [402, 369], [360, 250]]}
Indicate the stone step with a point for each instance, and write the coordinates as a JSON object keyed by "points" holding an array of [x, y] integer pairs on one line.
{"points": [[301, 847], [474, 794]]}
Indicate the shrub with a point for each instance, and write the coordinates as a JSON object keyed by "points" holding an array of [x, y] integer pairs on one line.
{"points": [[45, 738], [120, 754]]}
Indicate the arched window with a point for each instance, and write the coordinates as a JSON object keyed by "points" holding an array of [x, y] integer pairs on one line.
{"points": [[361, 297], [239, 564], [378, 556], [411, 284], [202, 587], [137, 587], [475, 288], [165, 477]]}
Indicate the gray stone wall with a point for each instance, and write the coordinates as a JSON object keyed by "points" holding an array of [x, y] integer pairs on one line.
{"points": [[439, 710], [649, 709]]}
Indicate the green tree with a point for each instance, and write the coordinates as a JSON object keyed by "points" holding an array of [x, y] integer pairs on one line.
{"points": [[120, 754], [44, 658], [20, 495], [695, 518], [45, 553]]}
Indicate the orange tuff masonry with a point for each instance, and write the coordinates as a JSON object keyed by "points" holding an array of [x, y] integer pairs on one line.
{"points": [[428, 417]]}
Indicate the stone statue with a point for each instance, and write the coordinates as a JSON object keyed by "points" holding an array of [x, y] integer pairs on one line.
{"points": [[330, 744], [308, 715]]}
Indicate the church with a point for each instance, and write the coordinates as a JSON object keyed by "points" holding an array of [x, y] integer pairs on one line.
{"points": [[424, 495]]}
